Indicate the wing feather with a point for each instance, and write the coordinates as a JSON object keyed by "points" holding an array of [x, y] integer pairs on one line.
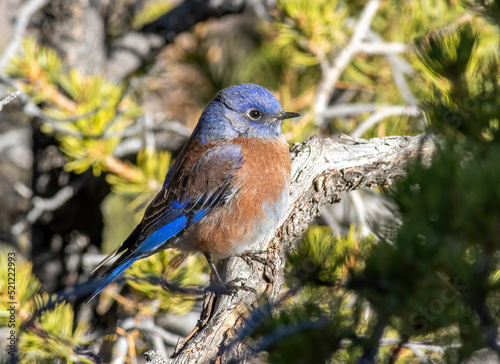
{"points": [[201, 181]]}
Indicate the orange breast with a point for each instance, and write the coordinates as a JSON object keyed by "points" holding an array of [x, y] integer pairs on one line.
{"points": [[263, 182]]}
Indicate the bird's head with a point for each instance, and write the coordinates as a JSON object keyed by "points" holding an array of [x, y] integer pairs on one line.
{"points": [[245, 110]]}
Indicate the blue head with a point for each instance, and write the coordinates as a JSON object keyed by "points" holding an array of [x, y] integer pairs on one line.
{"points": [[245, 110]]}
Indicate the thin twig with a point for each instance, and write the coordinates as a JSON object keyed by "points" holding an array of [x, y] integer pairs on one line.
{"points": [[382, 48], [400, 68], [149, 137], [40, 205], [352, 139], [382, 114], [131, 146], [9, 98], [421, 355], [121, 350], [175, 127], [416, 347], [23, 190], [340, 110], [72, 119], [333, 73], [360, 211], [150, 326]]}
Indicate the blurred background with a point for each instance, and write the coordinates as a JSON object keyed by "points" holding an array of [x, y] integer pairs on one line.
{"points": [[109, 92]]}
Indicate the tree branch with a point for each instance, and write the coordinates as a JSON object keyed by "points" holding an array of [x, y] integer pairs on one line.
{"points": [[41, 205], [9, 98], [400, 68], [333, 72], [382, 114], [382, 48], [321, 169]]}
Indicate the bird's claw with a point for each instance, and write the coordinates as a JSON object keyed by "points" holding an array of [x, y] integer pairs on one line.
{"points": [[231, 288], [234, 287]]}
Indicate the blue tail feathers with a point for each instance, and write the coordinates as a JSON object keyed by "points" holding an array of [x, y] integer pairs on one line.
{"points": [[111, 276], [144, 249]]}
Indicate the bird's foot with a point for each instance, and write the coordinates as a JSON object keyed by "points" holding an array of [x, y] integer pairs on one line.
{"points": [[231, 288], [239, 284]]}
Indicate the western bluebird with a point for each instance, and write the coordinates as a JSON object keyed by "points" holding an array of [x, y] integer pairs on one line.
{"points": [[228, 187]]}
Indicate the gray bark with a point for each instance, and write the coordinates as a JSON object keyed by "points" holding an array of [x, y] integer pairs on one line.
{"points": [[321, 169]]}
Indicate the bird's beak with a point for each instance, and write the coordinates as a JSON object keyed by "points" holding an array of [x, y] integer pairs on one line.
{"points": [[287, 115]]}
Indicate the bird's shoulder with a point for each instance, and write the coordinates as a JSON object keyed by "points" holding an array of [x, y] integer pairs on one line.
{"points": [[202, 164], [199, 180]]}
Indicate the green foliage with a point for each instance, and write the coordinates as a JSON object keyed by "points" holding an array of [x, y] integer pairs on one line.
{"points": [[176, 268], [46, 338], [309, 29], [58, 340], [323, 259], [417, 18], [151, 11], [87, 119], [38, 65], [320, 307], [490, 10], [149, 174], [438, 277], [26, 285], [466, 92], [90, 140], [465, 55], [440, 270]]}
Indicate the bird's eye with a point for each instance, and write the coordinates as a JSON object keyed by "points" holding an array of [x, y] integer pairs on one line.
{"points": [[254, 114]]}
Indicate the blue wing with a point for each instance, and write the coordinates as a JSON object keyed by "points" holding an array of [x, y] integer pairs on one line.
{"points": [[199, 181]]}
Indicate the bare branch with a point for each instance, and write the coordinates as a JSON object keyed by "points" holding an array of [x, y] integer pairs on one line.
{"points": [[9, 98], [333, 73], [149, 137], [340, 110], [40, 205], [134, 145], [23, 17], [382, 48], [148, 325], [400, 67], [284, 331], [382, 114], [50, 204], [166, 336], [175, 127]]}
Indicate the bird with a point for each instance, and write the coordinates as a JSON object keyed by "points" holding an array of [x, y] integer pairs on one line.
{"points": [[228, 187]]}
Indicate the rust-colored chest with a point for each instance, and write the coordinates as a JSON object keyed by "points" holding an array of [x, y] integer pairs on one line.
{"points": [[262, 184]]}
